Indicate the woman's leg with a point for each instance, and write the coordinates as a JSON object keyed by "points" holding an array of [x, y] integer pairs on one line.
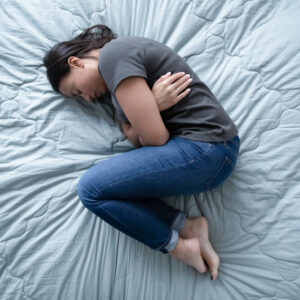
{"points": [[124, 190]]}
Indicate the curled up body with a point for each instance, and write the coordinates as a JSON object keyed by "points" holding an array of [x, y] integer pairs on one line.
{"points": [[168, 90]]}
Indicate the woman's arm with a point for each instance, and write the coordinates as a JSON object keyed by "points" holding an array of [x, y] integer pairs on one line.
{"points": [[140, 107], [131, 134], [168, 90]]}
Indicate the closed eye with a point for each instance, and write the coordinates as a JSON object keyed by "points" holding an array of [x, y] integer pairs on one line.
{"points": [[76, 94]]}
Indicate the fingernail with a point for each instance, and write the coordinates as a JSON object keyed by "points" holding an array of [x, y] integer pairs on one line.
{"points": [[168, 73]]}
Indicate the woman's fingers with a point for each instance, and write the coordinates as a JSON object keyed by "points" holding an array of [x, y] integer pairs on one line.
{"points": [[185, 79], [163, 77], [174, 77], [182, 95], [182, 85], [177, 82]]}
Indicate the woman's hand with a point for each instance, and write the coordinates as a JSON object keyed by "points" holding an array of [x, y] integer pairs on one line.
{"points": [[167, 90], [131, 134]]}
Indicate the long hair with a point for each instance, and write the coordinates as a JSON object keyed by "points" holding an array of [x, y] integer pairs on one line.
{"points": [[56, 59]]}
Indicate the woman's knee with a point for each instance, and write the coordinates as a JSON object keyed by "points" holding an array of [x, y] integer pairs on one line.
{"points": [[82, 189], [87, 191]]}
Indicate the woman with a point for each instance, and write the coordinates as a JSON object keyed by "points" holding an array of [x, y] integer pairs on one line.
{"points": [[185, 141]]}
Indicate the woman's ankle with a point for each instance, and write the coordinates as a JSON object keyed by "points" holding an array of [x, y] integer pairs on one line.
{"points": [[187, 229], [177, 251]]}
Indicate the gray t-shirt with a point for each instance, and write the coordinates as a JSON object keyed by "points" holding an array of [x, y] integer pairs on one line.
{"points": [[198, 116]]}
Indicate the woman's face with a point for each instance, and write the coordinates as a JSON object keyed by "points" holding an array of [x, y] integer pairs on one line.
{"points": [[84, 79]]}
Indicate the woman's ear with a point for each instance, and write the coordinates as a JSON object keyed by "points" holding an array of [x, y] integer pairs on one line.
{"points": [[74, 61]]}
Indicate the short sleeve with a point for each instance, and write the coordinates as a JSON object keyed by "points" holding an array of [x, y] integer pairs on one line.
{"points": [[119, 112], [119, 60]]}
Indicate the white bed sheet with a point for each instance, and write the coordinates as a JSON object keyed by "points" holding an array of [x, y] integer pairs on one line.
{"points": [[51, 247]]}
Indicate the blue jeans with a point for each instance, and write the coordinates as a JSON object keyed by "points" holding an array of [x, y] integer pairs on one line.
{"points": [[125, 190]]}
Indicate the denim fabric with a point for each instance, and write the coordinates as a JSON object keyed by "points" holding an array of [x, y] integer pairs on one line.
{"points": [[126, 189]]}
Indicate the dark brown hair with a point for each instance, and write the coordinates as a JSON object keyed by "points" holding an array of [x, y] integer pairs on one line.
{"points": [[56, 59]]}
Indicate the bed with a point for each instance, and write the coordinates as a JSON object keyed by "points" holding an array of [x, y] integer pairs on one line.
{"points": [[52, 247]]}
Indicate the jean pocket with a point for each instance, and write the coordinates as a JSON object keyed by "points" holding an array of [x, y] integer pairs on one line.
{"points": [[192, 150], [221, 174], [201, 147]]}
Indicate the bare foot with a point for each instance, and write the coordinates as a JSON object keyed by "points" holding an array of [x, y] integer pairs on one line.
{"points": [[189, 252], [198, 227]]}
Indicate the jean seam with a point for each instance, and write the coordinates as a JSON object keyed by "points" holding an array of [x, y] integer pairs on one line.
{"points": [[210, 144], [164, 169], [231, 150], [132, 233], [229, 161], [191, 143], [226, 160], [118, 221], [167, 241]]}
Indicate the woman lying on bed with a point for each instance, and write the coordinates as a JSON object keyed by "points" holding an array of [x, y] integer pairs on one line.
{"points": [[185, 142]]}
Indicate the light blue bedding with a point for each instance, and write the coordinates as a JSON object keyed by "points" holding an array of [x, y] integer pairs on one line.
{"points": [[52, 247]]}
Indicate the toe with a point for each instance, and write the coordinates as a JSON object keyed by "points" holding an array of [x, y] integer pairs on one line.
{"points": [[212, 263], [214, 275], [202, 265]]}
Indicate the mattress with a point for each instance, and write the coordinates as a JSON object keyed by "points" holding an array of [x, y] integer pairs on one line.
{"points": [[52, 247]]}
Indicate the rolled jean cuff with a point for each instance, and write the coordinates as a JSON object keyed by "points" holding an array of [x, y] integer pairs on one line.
{"points": [[173, 241], [177, 225], [179, 221]]}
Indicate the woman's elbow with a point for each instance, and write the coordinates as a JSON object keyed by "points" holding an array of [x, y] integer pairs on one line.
{"points": [[165, 139], [158, 141]]}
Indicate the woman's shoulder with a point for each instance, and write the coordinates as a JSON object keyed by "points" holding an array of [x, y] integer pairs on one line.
{"points": [[131, 41], [119, 48]]}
